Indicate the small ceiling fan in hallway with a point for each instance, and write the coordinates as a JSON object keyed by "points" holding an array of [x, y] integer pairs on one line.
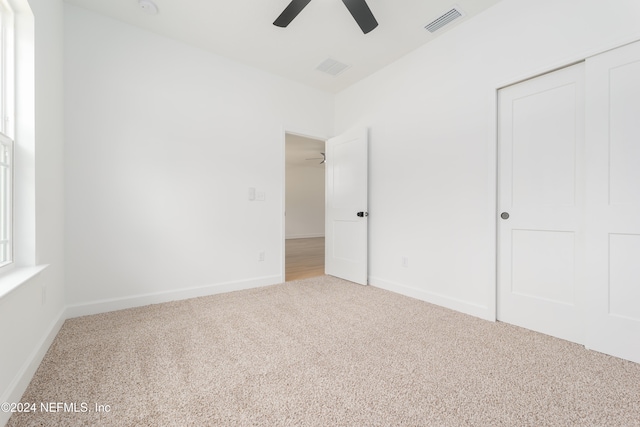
{"points": [[323, 158], [358, 8]]}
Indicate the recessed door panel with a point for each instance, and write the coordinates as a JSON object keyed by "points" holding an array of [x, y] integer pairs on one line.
{"points": [[543, 265], [347, 179], [624, 147], [544, 140], [624, 276], [345, 244]]}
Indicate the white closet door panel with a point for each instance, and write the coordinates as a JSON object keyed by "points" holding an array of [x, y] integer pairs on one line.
{"points": [[541, 187], [613, 209]]}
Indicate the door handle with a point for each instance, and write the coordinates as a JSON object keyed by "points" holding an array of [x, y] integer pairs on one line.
{"points": [[504, 215], [362, 214]]}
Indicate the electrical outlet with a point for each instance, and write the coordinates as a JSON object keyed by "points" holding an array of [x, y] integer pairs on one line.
{"points": [[260, 196], [261, 256], [405, 262]]}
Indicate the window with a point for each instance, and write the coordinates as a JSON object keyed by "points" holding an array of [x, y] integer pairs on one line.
{"points": [[6, 133]]}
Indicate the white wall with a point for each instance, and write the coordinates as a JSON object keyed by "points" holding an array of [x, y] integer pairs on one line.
{"points": [[433, 143], [304, 188], [164, 140], [27, 323], [162, 143]]}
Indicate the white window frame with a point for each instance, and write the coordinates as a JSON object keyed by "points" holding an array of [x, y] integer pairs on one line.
{"points": [[6, 200], [7, 105]]}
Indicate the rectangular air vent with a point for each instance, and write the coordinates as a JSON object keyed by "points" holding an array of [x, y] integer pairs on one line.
{"points": [[443, 20], [331, 66]]}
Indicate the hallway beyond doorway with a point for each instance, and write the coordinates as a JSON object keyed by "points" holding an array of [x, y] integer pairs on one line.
{"points": [[304, 258]]}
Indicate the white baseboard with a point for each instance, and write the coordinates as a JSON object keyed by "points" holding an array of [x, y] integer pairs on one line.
{"points": [[303, 236], [114, 304], [23, 377], [465, 307]]}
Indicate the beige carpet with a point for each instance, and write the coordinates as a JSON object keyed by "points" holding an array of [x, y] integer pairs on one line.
{"points": [[323, 352]]}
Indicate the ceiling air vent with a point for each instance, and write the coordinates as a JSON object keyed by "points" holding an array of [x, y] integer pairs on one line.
{"points": [[443, 20], [331, 66]]}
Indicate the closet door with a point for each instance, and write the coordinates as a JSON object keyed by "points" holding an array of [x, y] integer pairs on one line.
{"points": [[541, 201], [613, 202]]}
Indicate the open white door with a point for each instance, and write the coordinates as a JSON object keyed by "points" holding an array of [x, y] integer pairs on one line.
{"points": [[346, 233]]}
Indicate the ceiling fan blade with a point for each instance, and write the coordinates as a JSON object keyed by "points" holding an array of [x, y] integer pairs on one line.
{"points": [[362, 14], [290, 12], [323, 158]]}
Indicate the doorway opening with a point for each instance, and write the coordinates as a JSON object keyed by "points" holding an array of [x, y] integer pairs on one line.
{"points": [[304, 207]]}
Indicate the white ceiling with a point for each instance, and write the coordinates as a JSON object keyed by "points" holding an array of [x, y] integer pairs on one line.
{"points": [[242, 30]]}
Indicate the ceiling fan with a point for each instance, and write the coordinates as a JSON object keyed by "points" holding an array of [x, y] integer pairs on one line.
{"points": [[358, 8], [323, 158]]}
